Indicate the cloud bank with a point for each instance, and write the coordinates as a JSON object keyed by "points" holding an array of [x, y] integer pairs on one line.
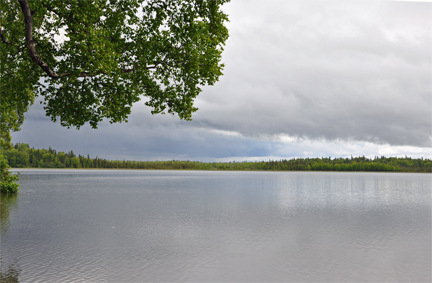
{"points": [[301, 79]]}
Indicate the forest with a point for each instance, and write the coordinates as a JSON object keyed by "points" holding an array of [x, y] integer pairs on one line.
{"points": [[22, 156]]}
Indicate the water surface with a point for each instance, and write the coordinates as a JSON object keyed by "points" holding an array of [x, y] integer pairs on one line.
{"points": [[134, 226]]}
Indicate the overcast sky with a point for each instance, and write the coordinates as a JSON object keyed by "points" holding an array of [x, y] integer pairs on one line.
{"points": [[302, 79]]}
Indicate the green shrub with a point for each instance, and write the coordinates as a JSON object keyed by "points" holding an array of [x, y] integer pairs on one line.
{"points": [[7, 179]]}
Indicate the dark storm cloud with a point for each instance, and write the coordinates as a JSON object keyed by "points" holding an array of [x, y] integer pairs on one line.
{"points": [[149, 141]]}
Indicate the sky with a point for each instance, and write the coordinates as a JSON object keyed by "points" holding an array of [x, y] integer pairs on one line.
{"points": [[302, 79]]}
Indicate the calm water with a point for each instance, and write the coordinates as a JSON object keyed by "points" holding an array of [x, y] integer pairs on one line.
{"points": [[134, 226]]}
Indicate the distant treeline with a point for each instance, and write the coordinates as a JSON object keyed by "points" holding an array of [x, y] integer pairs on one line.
{"points": [[22, 156]]}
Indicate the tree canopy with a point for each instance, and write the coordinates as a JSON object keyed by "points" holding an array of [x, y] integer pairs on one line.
{"points": [[91, 60]]}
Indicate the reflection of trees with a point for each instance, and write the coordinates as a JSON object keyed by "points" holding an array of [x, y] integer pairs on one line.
{"points": [[7, 202], [10, 275]]}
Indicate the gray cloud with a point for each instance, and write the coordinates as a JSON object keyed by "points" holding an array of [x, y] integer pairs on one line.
{"points": [[339, 78], [332, 70]]}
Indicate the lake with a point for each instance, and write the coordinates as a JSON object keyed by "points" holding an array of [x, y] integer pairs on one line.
{"points": [[135, 226]]}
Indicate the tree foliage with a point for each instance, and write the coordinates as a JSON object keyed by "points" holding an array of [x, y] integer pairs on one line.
{"points": [[96, 58], [91, 60], [7, 179]]}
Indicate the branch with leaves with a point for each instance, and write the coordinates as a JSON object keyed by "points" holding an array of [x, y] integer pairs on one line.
{"points": [[163, 50]]}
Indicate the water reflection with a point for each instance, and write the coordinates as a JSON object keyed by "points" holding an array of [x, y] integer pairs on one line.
{"points": [[7, 203], [354, 191], [11, 274]]}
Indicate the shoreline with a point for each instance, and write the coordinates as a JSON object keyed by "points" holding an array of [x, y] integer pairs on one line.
{"points": [[218, 170]]}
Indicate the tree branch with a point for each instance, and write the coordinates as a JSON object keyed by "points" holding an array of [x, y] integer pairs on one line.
{"points": [[31, 46], [31, 43]]}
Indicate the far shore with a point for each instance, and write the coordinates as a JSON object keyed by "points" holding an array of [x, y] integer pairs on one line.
{"points": [[219, 170]]}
